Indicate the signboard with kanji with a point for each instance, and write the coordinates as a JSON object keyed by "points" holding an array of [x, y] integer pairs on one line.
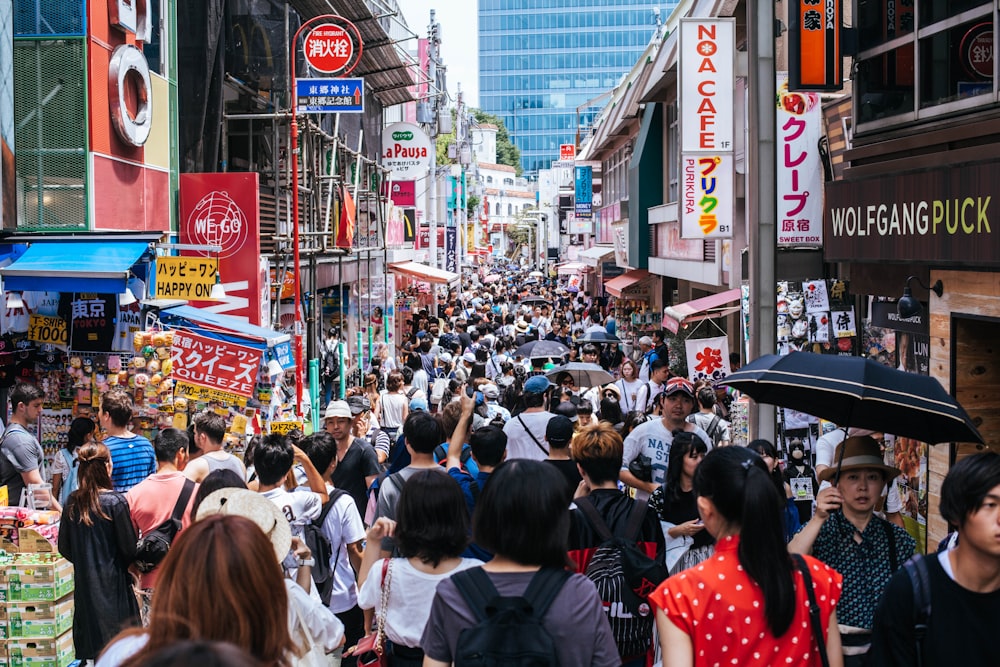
{"points": [[815, 61], [185, 277], [567, 152], [800, 167], [216, 364], [707, 358], [330, 95], [332, 48], [707, 196]]}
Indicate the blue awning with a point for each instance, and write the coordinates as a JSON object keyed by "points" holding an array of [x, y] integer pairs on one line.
{"points": [[222, 327], [101, 267]]}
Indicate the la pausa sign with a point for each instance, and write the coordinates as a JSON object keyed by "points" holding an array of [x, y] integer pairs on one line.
{"points": [[406, 151]]}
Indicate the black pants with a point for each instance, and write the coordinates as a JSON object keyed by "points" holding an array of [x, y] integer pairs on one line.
{"points": [[354, 629], [403, 656]]}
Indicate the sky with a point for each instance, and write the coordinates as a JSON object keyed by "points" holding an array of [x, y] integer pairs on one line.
{"points": [[459, 39]]}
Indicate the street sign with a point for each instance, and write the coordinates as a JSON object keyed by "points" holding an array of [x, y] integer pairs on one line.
{"points": [[567, 152], [329, 48], [330, 95]]}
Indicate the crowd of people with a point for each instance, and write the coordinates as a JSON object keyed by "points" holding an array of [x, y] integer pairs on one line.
{"points": [[470, 501]]}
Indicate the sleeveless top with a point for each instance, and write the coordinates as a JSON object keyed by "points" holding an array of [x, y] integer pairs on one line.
{"points": [[228, 463]]}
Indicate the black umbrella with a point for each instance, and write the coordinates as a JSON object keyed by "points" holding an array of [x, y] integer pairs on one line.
{"points": [[534, 301], [584, 374], [854, 391], [541, 349], [598, 337]]}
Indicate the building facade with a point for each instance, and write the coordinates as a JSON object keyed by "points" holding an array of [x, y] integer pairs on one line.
{"points": [[540, 63]]}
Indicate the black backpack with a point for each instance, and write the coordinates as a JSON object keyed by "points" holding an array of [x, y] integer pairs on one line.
{"points": [[322, 550], [154, 545], [509, 631], [625, 577], [920, 580]]}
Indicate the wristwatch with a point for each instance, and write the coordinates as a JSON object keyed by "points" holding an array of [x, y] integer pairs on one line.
{"points": [[303, 562]]}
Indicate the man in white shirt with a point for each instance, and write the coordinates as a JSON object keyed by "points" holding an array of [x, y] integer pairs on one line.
{"points": [[526, 431], [645, 397]]}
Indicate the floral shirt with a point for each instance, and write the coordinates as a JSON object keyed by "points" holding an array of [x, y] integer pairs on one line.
{"points": [[722, 610], [865, 566]]}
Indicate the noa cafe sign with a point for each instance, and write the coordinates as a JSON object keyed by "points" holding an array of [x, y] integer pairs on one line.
{"points": [[406, 151], [706, 68]]}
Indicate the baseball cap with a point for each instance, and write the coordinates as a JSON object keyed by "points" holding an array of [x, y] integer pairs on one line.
{"points": [[359, 404], [537, 384], [418, 404], [338, 409], [491, 391], [470, 357], [559, 430], [421, 334], [678, 384]]}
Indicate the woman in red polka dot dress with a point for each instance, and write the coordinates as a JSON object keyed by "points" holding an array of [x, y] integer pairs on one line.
{"points": [[747, 605]]}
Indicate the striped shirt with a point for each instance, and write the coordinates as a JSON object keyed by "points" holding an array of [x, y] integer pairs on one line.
{"points": [[132, 460]]}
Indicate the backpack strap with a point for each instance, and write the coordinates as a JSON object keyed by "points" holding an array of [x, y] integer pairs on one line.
{"points": [[916, 569], [635, 519], [712, 426], [182, 500], [532, 435], [333, 496], [476, 588], [543, 589], [890, 536], [586, 505], [817, 628]]}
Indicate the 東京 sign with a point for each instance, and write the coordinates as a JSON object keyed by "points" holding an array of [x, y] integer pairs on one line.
{"points": [[333, 47]]}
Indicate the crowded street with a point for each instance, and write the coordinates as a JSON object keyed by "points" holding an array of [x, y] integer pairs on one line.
{"points": [[507, 333]]}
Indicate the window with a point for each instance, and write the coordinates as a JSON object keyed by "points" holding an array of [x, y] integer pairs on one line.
{"points": [[508, 181], [510, 209], [496, 209], [673, 158], [489, 179], [921, 60]]}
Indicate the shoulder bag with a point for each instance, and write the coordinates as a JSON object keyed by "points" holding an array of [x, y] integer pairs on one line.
{"points": [[371, 649]]}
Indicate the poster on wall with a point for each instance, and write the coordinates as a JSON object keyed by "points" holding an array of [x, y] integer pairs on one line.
{"points": [[815, 316]]}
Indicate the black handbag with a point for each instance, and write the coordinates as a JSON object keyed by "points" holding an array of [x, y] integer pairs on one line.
{"points": [[641, 468], [152, 547]]}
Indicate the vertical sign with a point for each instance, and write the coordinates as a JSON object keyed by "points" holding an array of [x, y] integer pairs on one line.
{"points": [[584, 193], [707, 80], [814, 58], [224, 210], [800, 167], [451, 249], [8, 185]]}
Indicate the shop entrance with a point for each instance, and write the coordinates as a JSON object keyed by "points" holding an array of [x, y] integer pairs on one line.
{"points": [[976, 375]]}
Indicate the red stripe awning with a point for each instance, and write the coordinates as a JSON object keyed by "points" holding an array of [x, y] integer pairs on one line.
{"points": [[616, 286], [699, 309]]}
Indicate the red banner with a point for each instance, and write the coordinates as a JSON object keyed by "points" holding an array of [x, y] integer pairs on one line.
{"points": [[215, 364], [224, 210]]}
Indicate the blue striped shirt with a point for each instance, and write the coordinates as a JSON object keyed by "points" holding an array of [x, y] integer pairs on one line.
{"points": [[132, 460]]}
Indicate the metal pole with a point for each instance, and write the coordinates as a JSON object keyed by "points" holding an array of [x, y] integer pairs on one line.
{"points": [[295, 219], [762, 172]]}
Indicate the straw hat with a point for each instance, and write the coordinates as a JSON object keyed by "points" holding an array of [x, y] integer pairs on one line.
{"points": [[862, 452], [253, 506]]}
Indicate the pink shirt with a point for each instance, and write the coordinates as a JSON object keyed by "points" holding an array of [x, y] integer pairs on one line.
{"points": [[151, 502]]}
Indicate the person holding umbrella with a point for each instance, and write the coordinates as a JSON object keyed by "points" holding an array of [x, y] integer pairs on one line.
{"points": [[845, 534]]}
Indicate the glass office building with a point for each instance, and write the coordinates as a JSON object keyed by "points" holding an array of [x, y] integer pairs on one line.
{"points": [[541, 59]]}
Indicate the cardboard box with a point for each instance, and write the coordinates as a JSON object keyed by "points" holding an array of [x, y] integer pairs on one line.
{"points": [[51, 652], [39, 619], [36, 577]]}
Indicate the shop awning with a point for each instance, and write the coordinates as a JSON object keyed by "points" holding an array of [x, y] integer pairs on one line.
{"points": [[572, 268], [616, 286], [222, 327], [423, 272], [101, 267], [595, 255], [713, 305]]}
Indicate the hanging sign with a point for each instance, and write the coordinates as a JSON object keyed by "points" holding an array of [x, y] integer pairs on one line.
{"points": [[707, 358], [406, 151], [46, 329], [800, 167], [815, 61], [567, 152], [333, 47], [200, 394], [707, 196], [185, 277], [707, 79], [216, 364], [330, 95]]}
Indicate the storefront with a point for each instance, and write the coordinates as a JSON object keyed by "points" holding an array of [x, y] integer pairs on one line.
{"points": [[940, 221]]}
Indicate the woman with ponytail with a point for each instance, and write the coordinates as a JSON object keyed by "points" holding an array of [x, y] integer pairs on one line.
{"points": [[748, 604], [97, 536]]}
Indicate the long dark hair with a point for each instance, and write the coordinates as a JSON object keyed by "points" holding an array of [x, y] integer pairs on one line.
{"points": [[765, 448], [79, 429], [432, 518], [681, 446], [736, 480], [85, 503]]}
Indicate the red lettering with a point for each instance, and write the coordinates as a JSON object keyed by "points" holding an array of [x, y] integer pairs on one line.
{"points": [[707, 65], [706, 31], [706, 140], [703, 88], [706, 121], [707, 106]]}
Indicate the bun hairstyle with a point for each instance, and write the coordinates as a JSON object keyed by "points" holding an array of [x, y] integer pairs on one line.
{"points": [[736, 480]]}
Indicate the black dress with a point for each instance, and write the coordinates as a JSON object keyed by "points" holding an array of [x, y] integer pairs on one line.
{"points": [[105, 602]]}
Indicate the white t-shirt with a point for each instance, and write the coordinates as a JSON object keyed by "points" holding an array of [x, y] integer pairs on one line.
{"points": [[652, 439], [520, 444], [411, 593], [629, 393], [826, 445], [343, 526], [301, 505], [392, 404]]}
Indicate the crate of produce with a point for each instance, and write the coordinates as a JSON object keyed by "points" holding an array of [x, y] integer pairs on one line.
{"points": [[39, 619], [49, 652]]}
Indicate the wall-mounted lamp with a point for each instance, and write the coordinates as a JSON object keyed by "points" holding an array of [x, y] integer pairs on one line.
{"points": [[127, 297], [14, 301], [908, 306], [218, 291]]}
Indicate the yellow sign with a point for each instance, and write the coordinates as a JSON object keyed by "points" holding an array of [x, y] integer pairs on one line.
{"points": [[284, 428], [185, 277], [46, 329], [196, 392]]}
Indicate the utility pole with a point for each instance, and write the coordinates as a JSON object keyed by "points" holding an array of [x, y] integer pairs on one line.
{"points": [[433, 63]]}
